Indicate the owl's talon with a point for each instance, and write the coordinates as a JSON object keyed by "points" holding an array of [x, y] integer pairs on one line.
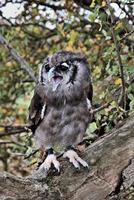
{"points": [[75, 163], [50, 159], [75, 159]]}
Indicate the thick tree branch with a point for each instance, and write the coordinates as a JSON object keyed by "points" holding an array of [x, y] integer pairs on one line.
{"points": [[18, 58], [110, 159]]}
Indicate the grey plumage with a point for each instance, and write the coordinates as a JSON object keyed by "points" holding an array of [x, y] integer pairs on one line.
{"points": [[58, 112]]}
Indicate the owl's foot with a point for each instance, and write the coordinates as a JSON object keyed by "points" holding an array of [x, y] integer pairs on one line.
{"points": [[50, 159], [75, 159]]}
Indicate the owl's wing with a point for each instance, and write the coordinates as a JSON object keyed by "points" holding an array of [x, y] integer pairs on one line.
{"points": [[37, 107], [89, 94]]}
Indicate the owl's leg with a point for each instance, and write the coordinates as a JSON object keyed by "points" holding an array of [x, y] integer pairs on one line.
{"points": [[74, 158], [50, 159], [41, 158]]}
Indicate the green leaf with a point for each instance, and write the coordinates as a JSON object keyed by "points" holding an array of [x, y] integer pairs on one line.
{"points": [[92, 127]]}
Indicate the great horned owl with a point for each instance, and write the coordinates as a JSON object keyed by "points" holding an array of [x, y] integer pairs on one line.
{"points": [[59, 110]]}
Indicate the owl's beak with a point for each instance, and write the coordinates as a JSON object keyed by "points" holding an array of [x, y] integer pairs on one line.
{"points": [[55, 77], [51, 74]]}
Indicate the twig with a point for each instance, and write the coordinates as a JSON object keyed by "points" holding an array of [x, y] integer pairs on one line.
{"points": [[2, 134], [14, 129], [5, 142], [18, 58], [93, 111], [16, 154], [15, 126], [12, 142], [126, 35], [123, 95], [52, 6], [31, 154]]}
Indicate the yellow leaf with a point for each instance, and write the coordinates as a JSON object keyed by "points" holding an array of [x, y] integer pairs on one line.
{"points": [[103, 3], [68, 4], [21, 110], [92, 5], [97, 70], [69, 48], [2, 129], [61, 29], [73, 37], [9, 64], [118, 81], [36, 30], [21, 35], [119, 25], [37, 62], [18, 29], [31, 59], [40, 50]]}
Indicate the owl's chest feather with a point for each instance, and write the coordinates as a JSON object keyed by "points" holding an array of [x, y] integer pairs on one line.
{"points": [[63, 125], [66, 114]]}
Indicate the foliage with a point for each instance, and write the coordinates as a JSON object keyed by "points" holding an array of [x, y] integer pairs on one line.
{"points": [[44, 27]]}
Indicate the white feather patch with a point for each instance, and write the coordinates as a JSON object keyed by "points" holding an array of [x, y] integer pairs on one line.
{"points": [[65, 64], [89, 104], [40, 71], [33, 114], [43, 111]]}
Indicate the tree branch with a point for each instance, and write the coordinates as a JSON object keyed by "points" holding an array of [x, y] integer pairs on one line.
{"points": [[52, 6], [126, 35], [14, 129], [12, 142], [93, 111], [110, 159], [2, 134], [122, 99], [18, 58]]}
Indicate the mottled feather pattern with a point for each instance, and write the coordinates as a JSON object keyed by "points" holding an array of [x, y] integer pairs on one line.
{"points": [[66, 115]]}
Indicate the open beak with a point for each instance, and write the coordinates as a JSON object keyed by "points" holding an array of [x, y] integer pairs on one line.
{"points": [[51, 74], [55, 78]]}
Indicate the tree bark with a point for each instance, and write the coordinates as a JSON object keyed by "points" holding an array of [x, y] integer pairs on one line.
{"points": [[111, 161]]}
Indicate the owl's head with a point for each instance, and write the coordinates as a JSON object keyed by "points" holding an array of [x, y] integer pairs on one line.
{"points": [[64, 72]]}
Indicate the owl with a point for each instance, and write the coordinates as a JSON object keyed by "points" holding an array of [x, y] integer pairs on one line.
{"points": [[59, 109]]}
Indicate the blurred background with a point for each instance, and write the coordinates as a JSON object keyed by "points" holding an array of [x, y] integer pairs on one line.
{"points": [[36, 28]]}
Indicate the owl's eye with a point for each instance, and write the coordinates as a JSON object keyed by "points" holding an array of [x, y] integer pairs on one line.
{"points": [[64, 67], [47, 68]]}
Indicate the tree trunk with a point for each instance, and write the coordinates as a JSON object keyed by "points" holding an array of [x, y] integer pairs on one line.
{"points": [[111, 172]]}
